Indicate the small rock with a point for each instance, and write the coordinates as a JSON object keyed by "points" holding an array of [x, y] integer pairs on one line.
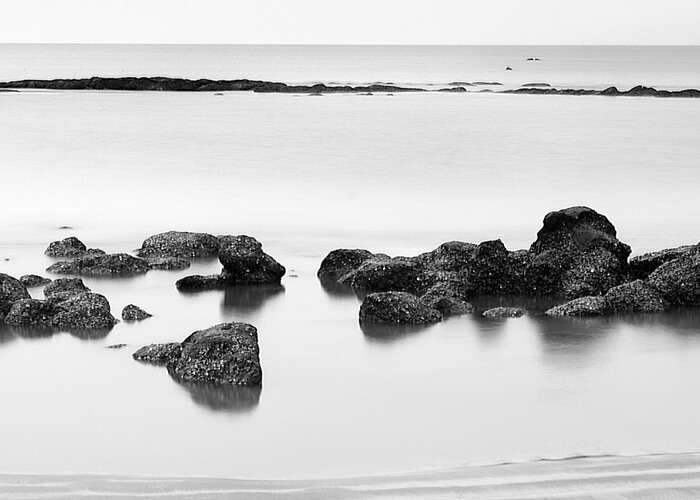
{"points": [[198, 283], [583, 306], [116, 346], [398, 308], [245, 263], [33, 280], [134, 313], [504, 312], [182, 244]]}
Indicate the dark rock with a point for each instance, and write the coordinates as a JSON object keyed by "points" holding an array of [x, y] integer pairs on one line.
{"points": [[638, 91], [134, 313], [636, 296], [504, 312], [227, 353], [11, 290], [508, 68], [31, 312], [678, 281], [181, 244], [33, 280], [67, 247], [197, 283], [453, 89], [168, 263], [398, 274], [397, 308], [159, 354], [449, 298], [340, 262], [118, 264], [643, 265], [245, 263], [537, 84], [65, 287], [450, 256], [84, 310], [583, 306], [116, 346]]}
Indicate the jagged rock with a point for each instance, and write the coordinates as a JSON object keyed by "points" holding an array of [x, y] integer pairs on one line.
{"points": [[636, 296], [181, 244], [65, 287], [118, 264], [159, 354], [11, 290], [83, 310], [67, 247], [199, 283], [643, 265], [33, 280], [340, 262], [134, 313], [583, 306], [168, 263], [504, 312], [399, 308], [398, 274], [678, 281], [245, 263]]}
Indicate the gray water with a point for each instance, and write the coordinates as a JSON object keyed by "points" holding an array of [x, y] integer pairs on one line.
{"points": [[398, 174]]}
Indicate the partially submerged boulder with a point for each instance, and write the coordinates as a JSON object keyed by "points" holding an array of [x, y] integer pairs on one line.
{"points": [[643, 265], [118, 264], [678, 281], [11, 290], [245, 263], [132, 312], [399, 308], [65, 287], [85, 310], [398, 274], [159, 354], [635, 296], [33, 280], [67, 247], [504, 312], [340, 262], [582, 306], [198, 283], [182, 244], [449, 298]]}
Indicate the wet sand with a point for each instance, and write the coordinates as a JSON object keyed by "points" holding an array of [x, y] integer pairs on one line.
{"points": [[605, 477]]}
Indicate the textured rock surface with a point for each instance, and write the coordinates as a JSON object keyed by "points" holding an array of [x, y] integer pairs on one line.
{"points": [[245, 263], [636, 296], [65, 287], [678, 281], [340, 262], [449, 298], [398, 308], [197, 283], [582, 306], [11, 290], [33, 280], [643, 265], [398, 274], [84, 310], [504, 312], [168, 263], [159, 354], [134, 313], [67, 247], [181, 244], [118, 264]]}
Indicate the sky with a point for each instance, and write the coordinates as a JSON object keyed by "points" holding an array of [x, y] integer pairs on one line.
{"points": [[616, 22]]}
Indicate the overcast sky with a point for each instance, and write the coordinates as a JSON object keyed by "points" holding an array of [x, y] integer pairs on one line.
{"points": [[358, 21]]}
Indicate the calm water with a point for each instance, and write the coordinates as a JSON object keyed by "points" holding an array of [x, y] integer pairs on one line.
{"points": [[399, 174]]}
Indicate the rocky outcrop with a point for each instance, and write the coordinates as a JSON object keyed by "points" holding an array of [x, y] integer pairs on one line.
{"points": [[79, 311], [398, 274], [643, 265], [180, 244], [636, 296], [227, 353], [638, 91], [33, 280], [134, 313], [678, 281], [65, 287], [399, 308], [504, 312], [11, 290], [340, 262], [245, 263], [583, 306], [118, 264]]}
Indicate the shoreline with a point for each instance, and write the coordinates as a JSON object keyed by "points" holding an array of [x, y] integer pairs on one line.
{"points": [[167, 84]]}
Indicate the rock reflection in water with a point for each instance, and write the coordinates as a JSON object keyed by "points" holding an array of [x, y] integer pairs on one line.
{"points": [[249, 298], [223, 397], [385, 334]]}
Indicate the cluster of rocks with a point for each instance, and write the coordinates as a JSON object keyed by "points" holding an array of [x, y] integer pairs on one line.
{"points": [[227, 353], [576, 255], [638, 91]]}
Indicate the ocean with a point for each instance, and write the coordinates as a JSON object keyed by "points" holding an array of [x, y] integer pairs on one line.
{"points": [[305, 174]]}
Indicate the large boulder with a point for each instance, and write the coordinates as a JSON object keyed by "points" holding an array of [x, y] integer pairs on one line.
{"points": [[399, 308], [65, 287], [118, 264], [576, 254], [67, 247], [33, 280], [83, 310], [11, 290], [340, 262], [398, 274], [643, 265], [582, 306], [180, 244], [245, 263], [678, 281], [635, 296]]}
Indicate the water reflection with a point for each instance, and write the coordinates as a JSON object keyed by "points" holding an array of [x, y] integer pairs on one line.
{"points": [[245, 299], [335, 289], [6, 335], [386, 334], [32, 332], [223, 397]]}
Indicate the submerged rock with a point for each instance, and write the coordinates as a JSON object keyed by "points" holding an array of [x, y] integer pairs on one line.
{"points": [[643, 265], [504, 312], [245, 263], [636, 296], [159, 354], [134, 313], [118, 264], [198, 283], [65, 287], [84, 310], [181, 244], [583, 306], [33, 280], [678, 281], [67, 247], [11, 290], [399, 308], [340, 262]]}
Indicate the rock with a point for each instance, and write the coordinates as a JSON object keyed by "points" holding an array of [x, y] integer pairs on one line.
{"points": [[576, 254], [398, 274], [67, 247], [340, 262], [181, 244], [33, 280], [537, 84], [134, 313], [118, 264], [399, 308], [508, 68], [636, 296], [583, 306], [65, 287], [452, 89], [159, 354], [245, 263], [197, 283], [504, 312], [11, 290], [83, 310], [678, 281], [643, 265], [116, 346], [448, 298], [450, 256], [168, 263]]}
